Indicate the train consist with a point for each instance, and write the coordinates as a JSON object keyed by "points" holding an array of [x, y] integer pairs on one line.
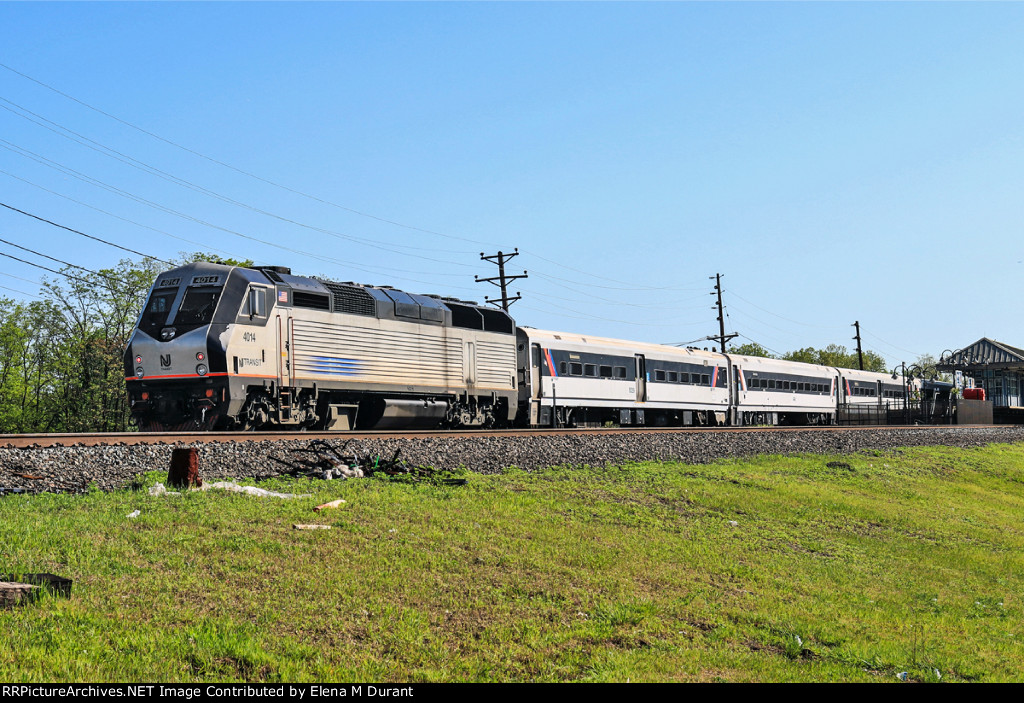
{"points": [[228, 347]]}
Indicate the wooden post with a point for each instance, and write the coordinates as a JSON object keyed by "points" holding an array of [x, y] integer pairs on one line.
{"points": [[184, 471], [15, 593]]}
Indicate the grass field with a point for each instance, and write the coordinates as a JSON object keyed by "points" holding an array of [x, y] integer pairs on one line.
{"points": [[768, 569]]}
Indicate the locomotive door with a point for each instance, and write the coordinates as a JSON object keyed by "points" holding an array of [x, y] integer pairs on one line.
{"points": [[535, 387], [284, 366], [470, 367], [641, 378]]}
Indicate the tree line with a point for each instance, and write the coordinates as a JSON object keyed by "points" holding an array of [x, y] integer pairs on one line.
{"points": [[833, 355], [838, 356], [61, 356]]}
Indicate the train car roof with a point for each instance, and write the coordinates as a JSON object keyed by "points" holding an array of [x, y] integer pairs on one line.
{"points": [[764, 362], [858, 375], [626, 345]]}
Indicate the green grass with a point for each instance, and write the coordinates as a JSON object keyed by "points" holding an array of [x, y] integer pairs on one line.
{"points": [[904, 562]]}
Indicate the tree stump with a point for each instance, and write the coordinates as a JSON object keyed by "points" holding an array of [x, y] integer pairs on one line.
{"points": [[184, 472]]}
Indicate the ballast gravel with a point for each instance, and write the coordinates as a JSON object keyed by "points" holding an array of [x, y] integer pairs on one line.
{"points": [[73, 469]]}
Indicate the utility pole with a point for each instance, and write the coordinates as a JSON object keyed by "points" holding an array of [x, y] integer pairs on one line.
{"points": [[501, 280], [722, 337], [860, 354]]}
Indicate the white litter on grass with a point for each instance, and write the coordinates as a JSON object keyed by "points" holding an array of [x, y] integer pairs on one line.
{"points": [[135, 514], [251, 490], [734, 523], [161, 490]]}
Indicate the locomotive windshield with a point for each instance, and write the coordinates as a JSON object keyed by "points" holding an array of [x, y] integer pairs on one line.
{"points": [[155, 315], [198, 306]]}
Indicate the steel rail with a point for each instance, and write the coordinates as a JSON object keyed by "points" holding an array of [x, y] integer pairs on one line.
{"points": [[132, 438]]}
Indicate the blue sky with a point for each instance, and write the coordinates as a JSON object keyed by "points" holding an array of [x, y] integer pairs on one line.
{"points": [[836, 162]]}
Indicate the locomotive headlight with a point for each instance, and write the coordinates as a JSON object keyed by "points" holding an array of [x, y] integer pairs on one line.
{"points": [[200, 356], [167, 333], [201, 369], [138, 359], [139, 372]]}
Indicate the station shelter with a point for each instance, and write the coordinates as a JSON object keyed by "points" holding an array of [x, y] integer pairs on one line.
{"points": [[995, 366]]}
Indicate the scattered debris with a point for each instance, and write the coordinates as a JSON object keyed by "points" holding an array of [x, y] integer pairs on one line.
{"points": [[329, 462], [30, 476], [160, 490], [311, 527], [332, 504], [902, 676], [252, 490], [734, 523], [135, 514]]}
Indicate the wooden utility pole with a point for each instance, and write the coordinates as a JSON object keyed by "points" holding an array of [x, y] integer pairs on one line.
{"points": [[860, 354], [722, 337], [501, 280]]}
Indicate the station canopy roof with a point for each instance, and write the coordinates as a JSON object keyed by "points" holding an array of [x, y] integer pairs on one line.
{"points": [[984, 354]]}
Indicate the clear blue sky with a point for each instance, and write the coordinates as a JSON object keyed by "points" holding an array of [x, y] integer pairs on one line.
{"points": [[836, 162]]}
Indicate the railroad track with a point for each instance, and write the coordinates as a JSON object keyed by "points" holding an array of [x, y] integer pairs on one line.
{"points": [[136, 438]]}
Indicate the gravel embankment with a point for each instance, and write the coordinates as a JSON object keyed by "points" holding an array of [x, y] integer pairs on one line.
{"points": [[72, 469]]}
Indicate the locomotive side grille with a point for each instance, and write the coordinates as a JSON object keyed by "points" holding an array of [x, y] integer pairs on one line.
{"points": [[316, 301], [376, 355], [495, 362], [352, 300]]}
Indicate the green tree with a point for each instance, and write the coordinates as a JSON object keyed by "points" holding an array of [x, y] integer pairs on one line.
{"points": [[751, 349]]}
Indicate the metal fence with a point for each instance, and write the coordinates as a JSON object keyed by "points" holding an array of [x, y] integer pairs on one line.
{"points": [[926, 412], [862, 414]]}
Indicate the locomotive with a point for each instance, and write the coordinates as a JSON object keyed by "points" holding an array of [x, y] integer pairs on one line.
{"points": [[230, 347]]}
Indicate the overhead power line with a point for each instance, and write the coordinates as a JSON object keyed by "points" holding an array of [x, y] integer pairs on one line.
{"points": [[15, 290], [234, 168], [202, 245], [289, 189], [125, 194], [46, 268], [83, 234], [107, 276]]}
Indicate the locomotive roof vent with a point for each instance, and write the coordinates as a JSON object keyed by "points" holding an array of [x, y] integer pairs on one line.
{"points": [[274, 272]]}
